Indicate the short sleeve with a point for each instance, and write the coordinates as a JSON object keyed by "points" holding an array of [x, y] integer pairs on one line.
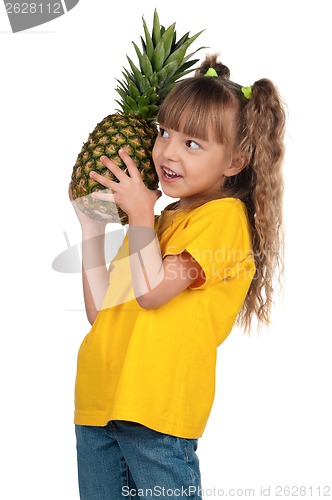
{"points": [[218, 238]]}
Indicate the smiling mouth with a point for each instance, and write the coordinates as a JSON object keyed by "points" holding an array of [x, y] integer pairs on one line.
{"points": [[169, 174]]}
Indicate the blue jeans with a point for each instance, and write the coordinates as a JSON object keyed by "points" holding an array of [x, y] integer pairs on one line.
{"points": [[126, 460]]}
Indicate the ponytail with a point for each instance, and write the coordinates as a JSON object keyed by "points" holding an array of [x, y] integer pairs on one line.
{"points": [[263, 123]]}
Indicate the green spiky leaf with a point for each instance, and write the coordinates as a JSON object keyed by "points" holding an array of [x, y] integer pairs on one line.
{"points": [[158, 56], [180, 42], [133, 91], [153, 80], [167, 38], [156, 28], [139, 56], [149, 47], [166, 72], [146, 66], [179, 53]]}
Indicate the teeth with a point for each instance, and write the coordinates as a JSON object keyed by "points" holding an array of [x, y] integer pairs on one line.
{"points": [[170, 172]]}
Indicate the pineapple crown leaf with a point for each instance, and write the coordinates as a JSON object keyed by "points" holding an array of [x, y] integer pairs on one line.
{"points": [[129, 77], [187, 64], [180, 42], [122, 106], [132, 103], [179, 53], [140, 57], [156, 28], [183, 71], [150, 92], [122, 88], [133, 67], [145, 83], [144, 112], [129, 106], [148, 43], [157, 52], [171, 76], [153, 109], [158, 57], [167, 40], [161, 62], [154, 80], [147, 68], [137, 74], [143, 101], [166, 72], [122, 93], [143, 45], [133, 91], [192, 54]]}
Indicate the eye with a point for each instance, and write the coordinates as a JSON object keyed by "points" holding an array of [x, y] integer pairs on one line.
{"points": [[163, 133], [192, 144]]}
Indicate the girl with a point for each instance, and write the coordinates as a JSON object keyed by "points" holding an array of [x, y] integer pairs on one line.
{"points": [[146, 370]]}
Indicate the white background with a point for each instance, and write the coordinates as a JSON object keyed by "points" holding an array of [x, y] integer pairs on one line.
{"points": [[271, 421]]}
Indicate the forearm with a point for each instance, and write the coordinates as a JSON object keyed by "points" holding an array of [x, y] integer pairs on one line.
{"points": [[157, 280], [145, 257], [95, 276]]}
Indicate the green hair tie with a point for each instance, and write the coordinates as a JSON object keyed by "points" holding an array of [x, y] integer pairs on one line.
{"points": [[211, 72], [247, 92]]}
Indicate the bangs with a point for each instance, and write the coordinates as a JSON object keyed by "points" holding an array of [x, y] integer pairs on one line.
{"points": [[199, 107]]}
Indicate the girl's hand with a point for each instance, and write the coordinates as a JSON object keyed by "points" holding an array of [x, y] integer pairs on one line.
{"points": [[130, 193], [84, 219]]}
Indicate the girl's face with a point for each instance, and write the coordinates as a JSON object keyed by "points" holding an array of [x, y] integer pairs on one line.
{"points": [[188, 167]]}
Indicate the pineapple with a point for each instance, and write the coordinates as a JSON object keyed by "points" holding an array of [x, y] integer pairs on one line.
{"points": [[162, 62]]}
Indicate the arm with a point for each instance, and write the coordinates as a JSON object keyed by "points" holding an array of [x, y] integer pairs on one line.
{"points": [[95, 275], [94, 271], [157, 280]]}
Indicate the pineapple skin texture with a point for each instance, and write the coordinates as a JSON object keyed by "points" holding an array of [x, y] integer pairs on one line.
{"points": [[114, 132]]}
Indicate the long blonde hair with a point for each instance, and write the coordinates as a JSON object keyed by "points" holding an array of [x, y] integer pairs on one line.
{"points": [[259, 134]]}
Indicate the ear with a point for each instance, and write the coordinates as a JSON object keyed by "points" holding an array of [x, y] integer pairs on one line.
{"points": [[238, 162]]}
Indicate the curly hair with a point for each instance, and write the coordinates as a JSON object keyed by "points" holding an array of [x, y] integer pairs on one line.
{"points": [[258, 133]]}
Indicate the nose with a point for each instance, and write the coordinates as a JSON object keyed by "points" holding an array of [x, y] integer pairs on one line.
{"points": [[170, 151]]}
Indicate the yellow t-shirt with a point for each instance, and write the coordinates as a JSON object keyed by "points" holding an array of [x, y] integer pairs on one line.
{"points": [[157, 366]]}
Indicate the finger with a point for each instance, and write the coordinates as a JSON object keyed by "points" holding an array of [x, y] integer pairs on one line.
{"points": [[130, 164], [112, 167], [157, 193], [101, 179], [104, 195]]}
